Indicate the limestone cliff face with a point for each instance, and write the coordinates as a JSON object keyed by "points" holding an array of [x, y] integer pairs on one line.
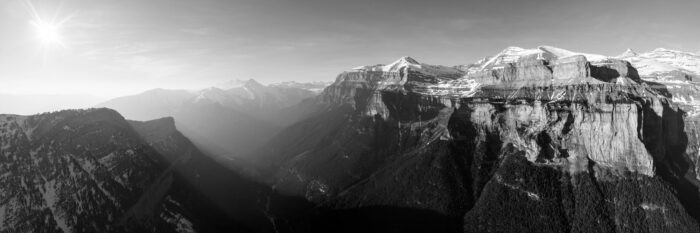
{"points": [[572, 68], [551, 133], [601, 122], [567, 134], [529, 68], [611, 69], [547, 69]]}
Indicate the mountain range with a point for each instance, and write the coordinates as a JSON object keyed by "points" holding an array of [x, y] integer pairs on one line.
{"points": [[527, 140], [227, 120]]}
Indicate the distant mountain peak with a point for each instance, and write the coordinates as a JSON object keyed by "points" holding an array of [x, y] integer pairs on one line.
{"points": [[409, 63], [235, 83], [401, 63], [407, 59], [628, 53], [395, 66], [253, 83]]}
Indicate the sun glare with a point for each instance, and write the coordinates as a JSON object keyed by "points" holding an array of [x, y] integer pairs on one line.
{"points": [[47, 29], [47, 33]]}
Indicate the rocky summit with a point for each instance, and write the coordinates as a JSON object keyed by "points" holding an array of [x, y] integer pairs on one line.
{"points": [[527, 140]]}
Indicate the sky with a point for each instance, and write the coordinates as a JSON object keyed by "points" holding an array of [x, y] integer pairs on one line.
{"points": [[113, 48]]}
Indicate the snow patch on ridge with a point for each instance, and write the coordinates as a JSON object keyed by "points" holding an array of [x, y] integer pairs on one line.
{"points": [[563, 53], [461, 87], [406, 63], [509, 55], [660, 61], [401, 63], [513, 54]]}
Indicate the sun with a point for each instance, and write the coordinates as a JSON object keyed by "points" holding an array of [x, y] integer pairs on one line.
{"points": [[48, 33], [48, 30]]}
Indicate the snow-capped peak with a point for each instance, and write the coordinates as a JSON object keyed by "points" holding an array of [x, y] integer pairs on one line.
{"points": [[213, 94], [392, 67], [628, 53], [512, 54], [509, 55], [401, 63], [253, 83], [412, 64], [232, 84]]}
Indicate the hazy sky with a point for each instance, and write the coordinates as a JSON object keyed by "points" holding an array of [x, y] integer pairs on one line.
{"points": [[118, 47]]}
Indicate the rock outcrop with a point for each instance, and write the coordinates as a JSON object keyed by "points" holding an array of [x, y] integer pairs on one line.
{"points": [[544, 67], [545, 135], [571, 68]]}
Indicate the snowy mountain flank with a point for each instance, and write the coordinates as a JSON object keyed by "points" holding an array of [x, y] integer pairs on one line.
{"points": [[544, 65], [661, 64]]}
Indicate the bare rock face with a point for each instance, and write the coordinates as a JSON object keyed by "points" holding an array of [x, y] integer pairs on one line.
{"points": [[347, 83], [544, 67], [611, 69], [557, 137], [604, 133], [616, 147], [575, 67], [597, 122], [527, 69]]}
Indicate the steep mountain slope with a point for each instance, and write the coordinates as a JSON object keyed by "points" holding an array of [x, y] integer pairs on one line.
{"points": [[543, 140], [52, 160], [66, 169], [247, 206], [92, 171], [674, 74], [224, 122], [217, 197]]}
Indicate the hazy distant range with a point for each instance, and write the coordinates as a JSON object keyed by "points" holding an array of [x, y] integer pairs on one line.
{"points": [[28, 104]]}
